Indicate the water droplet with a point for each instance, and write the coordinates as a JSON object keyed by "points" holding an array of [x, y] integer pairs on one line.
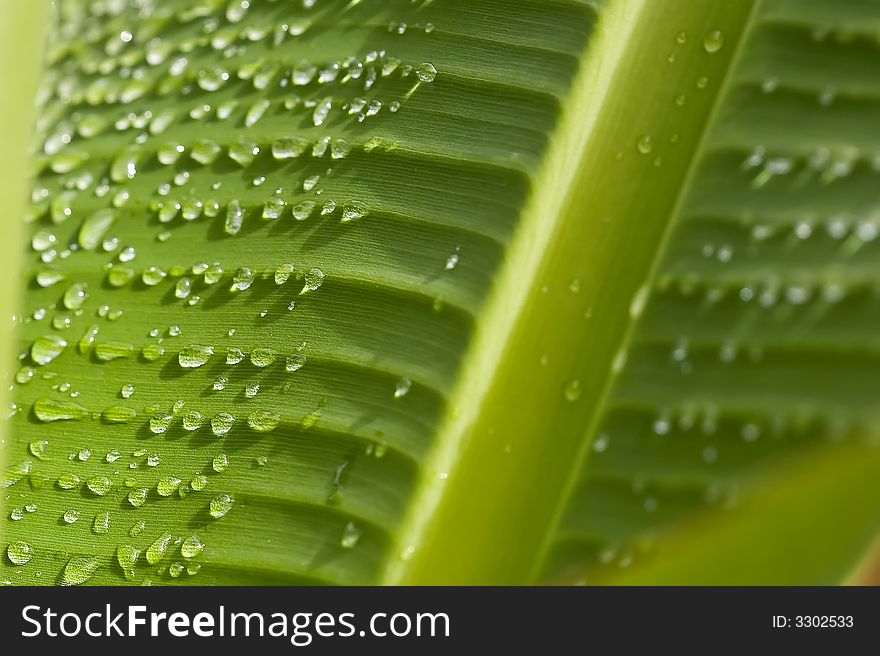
{"points": [[24, 375], [193, 420], [242, 279], [93, 229], [167, 485], [256, 111], [263, 421], [313, 280], [263, 357], [191, 547], [310, 182], [353, 211], [289, 147], [127, 557], [713, 42], [426, 72], [194, 355], [117, 414], [234, 355], [295, 361], [350, 536], [157, 550], [322, 110], [183, 288], [99, 485], [19, 553], [160, 423], [573, 391], [402, 388], [38, 448], [283, 273], [339, 149], [303, 73], [152, 276], [138, 496], [243, 152], [303, 210], [107, 351], [220, 383], [213, 274], [102, 523], [48, 410], [205, 151], [645, 144], [222, 423], [46, 278], [79, 569], [70, 516], [46, 348], [67, 481], [273, 208], [199, 482], [311, 419], [234, 218], [220, 463], [220, 506]]}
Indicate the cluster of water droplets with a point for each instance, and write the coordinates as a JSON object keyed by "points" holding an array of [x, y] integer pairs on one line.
{"points": [[167, 120]]}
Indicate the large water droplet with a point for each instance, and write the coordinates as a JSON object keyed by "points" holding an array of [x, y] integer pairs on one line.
{"points": [[220, 506], [93, 229], [222, 423], [19, 553], [194, 355], [426, 72], [99, 485], [46, 348], [713, 42], [263, 421], [157, 550], [191, 547], [313, 280], [79, 569]]}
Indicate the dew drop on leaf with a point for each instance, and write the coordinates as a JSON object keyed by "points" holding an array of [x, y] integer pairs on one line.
{"points": [[263, 421], [426, 72], [713, 42], [194, 355], [79, 569], [156, 551], [220, 505], [19, 553], [191, 547], [351, 535]]}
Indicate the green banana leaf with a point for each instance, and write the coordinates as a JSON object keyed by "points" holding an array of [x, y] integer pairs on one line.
{"points": [[445, 291]]}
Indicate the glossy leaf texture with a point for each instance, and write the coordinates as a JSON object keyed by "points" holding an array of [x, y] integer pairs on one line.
{"points": [[260, 237]]}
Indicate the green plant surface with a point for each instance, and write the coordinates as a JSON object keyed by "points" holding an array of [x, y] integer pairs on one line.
{"points": [[365, 289], [754, 332], [837, 484], [507, 288], [21, 28]]}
